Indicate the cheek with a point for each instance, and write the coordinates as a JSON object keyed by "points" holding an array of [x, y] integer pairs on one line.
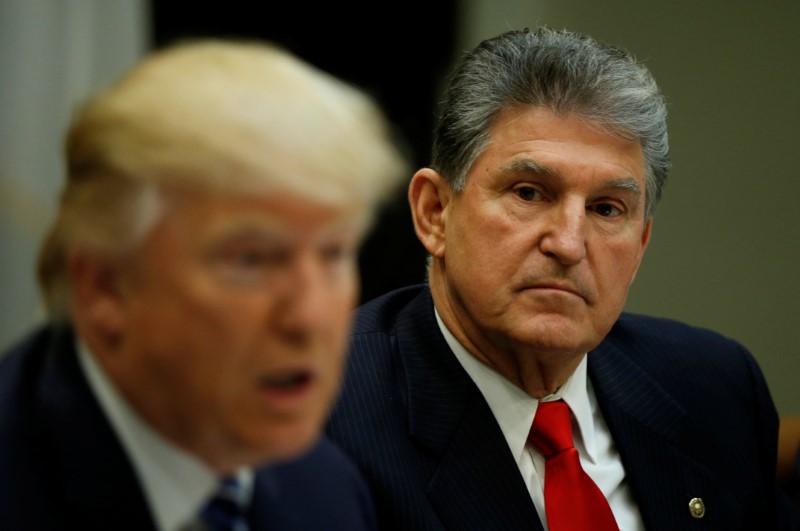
{"points": [[632, 257], [480, 244], [341, 308], [617, 272], [339, 330], [333, 376], [185, 298], [220, 323], [343, 293]]}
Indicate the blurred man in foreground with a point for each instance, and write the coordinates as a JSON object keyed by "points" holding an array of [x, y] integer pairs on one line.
{"points": [[511, 392], [199, 277]]}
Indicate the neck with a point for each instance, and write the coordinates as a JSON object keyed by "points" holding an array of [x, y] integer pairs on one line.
{"points": [[537, 373]]}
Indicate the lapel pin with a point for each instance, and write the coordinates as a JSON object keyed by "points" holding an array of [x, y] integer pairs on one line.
{"points": [[697, 508]]}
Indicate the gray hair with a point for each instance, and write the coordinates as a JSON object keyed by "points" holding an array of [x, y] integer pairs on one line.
{"points": [[563, 71]]}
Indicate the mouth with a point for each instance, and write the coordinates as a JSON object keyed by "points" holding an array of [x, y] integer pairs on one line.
{"points": [[558, 287], [288, 389], [287, 382]]}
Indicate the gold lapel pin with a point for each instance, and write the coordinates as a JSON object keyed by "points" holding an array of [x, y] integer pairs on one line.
{"points": [[697, 508]]}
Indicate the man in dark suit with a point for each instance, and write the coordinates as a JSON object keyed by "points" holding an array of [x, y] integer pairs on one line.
{"points": [[510, 392], [199, 277]]}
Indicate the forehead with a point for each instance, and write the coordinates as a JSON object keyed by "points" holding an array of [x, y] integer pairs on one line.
{"points": [[209, 214], [536, 137]]}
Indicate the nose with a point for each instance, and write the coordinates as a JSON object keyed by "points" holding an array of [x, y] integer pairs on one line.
{"points": [[564, 232], [305, 297]]}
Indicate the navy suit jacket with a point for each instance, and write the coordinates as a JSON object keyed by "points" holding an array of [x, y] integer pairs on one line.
{"points": [[688, 410], [62, 466]]}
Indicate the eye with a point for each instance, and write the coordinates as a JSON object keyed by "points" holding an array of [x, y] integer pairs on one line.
{"points": [[258, 258], [247, 263], [338, 256], [334, 253], [527, 193], [606, 210]]}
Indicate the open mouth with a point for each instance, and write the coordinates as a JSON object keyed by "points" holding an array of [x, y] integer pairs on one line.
{"points": [[287, 382]]}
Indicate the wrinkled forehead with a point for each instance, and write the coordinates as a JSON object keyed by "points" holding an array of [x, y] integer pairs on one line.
{"points": [[510, 117]]}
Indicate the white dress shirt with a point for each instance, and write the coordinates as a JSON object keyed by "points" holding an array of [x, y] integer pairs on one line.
{"points": [[514, 411], [176, 484]]}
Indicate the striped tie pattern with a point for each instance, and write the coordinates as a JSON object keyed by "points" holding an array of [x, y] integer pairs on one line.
{"points": [[225, 511]]}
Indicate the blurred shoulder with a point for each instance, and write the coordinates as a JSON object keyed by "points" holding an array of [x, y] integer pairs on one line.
{"points": [[23, 364], [324, 459], [323, 489]]}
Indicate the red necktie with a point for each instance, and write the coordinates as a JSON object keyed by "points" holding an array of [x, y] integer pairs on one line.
{"points": [[572, 500]]}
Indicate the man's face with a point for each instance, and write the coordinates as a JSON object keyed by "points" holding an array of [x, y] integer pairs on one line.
{"points": [[236, 311], [543, 243]]}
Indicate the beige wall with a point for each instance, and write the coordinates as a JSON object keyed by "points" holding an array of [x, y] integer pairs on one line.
{"points": [[725, 247]]}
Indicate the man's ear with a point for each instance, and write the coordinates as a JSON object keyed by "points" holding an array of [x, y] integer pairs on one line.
{"points": [[429, 195], [97, 300]]}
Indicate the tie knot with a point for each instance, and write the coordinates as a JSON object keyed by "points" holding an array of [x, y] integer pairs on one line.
{"points": [[225, 511], [551, 431]]}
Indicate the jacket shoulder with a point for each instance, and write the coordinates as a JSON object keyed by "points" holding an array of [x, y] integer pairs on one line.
{"points": [[21, 368], [381, 314], [322, 489], [671, 338]]}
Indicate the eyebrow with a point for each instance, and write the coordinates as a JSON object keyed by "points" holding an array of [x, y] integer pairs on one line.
{"points": [[530, 166], [282, 233]]}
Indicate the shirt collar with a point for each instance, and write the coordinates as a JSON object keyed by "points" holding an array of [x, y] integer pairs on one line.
{"points": [[514, 409], [176, 483]]}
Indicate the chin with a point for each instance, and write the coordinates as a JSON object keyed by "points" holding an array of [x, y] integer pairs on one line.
{"points": [[561, 340], [288, 443], [550, 325]]}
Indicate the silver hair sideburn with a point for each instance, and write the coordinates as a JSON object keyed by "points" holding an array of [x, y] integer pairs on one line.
{"points": [[563, 71]]}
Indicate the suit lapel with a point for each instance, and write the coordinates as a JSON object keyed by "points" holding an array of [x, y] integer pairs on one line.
{"points": [[649, 427], [476, 483], [98, 481], [265, 511]]}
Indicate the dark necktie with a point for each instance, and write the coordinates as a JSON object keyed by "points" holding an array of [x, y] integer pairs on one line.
{"points": [[226, 510], [572, 501]]}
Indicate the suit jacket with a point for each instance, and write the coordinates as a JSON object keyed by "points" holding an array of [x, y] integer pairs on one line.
{"points": [[62, 466], [688, 410]]}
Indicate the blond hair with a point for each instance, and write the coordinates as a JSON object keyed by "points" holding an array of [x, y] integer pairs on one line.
{"points": [[223, 116]]}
